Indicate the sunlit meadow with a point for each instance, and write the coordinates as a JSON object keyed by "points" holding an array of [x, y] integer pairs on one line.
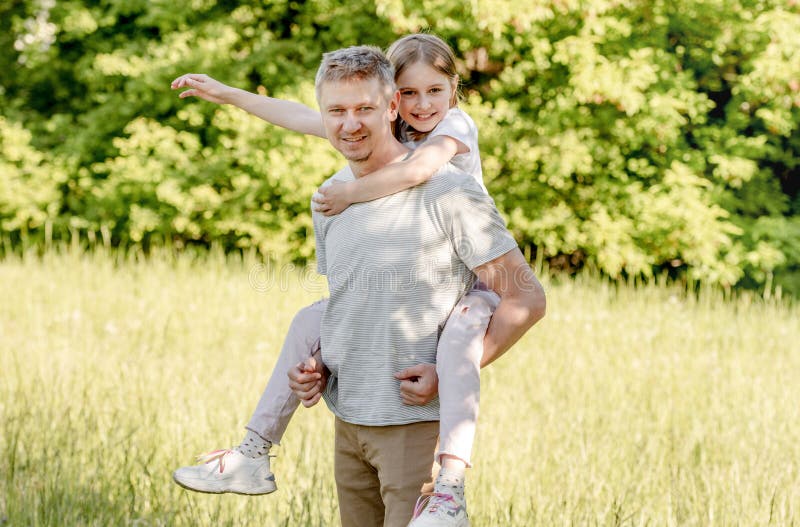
{"points": [[626, 405]]}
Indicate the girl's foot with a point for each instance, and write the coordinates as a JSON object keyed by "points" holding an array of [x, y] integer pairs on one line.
{"points": [[228, 471]]}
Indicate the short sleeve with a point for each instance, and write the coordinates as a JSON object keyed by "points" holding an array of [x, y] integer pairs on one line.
{"points": [[478, 232], [457, 125], [319, 241], [462, 128], [321, 221]]}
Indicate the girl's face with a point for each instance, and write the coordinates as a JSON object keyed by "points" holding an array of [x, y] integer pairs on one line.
{"points": [[425, 96]]}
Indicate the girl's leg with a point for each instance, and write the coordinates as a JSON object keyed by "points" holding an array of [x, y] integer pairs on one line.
{"points": [[246, 469], [278, 402], [458, 364]]}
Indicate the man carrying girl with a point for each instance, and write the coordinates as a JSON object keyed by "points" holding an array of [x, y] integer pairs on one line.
{"points": [[451, 212]]}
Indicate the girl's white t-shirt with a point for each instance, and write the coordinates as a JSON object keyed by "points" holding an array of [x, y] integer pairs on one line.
{"points": [[460, 126]]}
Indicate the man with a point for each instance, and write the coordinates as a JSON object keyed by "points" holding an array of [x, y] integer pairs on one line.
{"points": [[396, 266]]}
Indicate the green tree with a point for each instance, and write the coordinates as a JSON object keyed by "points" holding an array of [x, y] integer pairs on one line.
{"points": [[636, 138]]}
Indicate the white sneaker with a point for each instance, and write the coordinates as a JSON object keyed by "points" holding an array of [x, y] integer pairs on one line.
{"points": [[440, 509], [227, 471]]}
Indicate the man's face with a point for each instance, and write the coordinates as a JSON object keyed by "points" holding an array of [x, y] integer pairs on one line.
{"points": [[357, 116]]}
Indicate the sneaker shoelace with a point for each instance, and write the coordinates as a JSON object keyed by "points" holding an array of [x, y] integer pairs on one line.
{"points": [[431, 503], [215, 455]]}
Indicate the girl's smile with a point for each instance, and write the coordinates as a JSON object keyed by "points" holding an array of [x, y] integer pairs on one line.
{"points": [[425, 96]]}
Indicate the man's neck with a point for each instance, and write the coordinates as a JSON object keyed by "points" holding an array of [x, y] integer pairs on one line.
{"points": [[391, 152]]}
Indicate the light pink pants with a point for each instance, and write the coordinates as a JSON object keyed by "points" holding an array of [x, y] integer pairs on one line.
{"points": [[458, 358]]}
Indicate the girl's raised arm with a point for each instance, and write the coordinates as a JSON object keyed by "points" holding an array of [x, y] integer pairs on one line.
{"points": [[417, 168], [286, 114]]}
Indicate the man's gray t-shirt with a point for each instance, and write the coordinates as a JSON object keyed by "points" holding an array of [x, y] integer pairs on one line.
{"points": [[396, 266]]}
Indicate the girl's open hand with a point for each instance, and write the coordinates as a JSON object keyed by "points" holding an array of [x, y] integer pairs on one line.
{"points": [[201, 85]]}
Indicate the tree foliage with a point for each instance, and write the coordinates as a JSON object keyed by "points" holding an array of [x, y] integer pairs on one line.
{"points": [[633, 137]]}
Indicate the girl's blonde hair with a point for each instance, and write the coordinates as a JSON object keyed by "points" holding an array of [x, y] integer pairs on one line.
{"points": [[428, 49]]}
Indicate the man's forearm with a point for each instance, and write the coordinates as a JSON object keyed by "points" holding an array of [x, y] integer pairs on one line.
{"points": [[512, 318]]}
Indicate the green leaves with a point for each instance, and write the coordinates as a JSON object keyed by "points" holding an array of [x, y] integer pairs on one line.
{"points": [[634, 138], [30, 198]]}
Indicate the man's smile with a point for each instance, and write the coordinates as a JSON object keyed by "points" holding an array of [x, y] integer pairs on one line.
{"points": [[354, 140]]}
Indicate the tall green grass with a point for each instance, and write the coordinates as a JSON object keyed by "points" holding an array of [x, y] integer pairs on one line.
{"points": [[626, 405]]}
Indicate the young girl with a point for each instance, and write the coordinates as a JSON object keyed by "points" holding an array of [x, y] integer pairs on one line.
{"points": [[439, 132]]}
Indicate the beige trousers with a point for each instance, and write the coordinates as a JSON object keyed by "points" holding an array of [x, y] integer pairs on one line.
{"points": [[381, 471]]}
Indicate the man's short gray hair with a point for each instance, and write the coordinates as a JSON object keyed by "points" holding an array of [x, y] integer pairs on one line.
{"points": [[356, 63]]}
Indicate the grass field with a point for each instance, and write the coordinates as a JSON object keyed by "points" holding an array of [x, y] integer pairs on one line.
{"points": [[624, 406]]}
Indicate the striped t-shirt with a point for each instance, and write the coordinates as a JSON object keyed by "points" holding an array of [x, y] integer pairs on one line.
{"points": [[396, 266]]}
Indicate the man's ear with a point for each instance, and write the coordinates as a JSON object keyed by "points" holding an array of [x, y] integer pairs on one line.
{"points": [[394, 104]]}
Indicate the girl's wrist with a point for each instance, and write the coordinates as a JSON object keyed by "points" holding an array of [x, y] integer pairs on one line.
{"points": [[349, 192]]}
